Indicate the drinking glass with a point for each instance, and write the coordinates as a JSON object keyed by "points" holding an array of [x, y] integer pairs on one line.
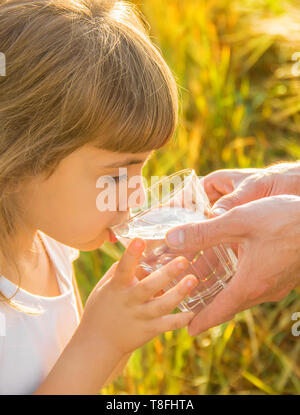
{"points": [[176, 200]]}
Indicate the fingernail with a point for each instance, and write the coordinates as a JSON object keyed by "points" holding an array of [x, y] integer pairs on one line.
{"points": [[176, 238], [219, 211]]}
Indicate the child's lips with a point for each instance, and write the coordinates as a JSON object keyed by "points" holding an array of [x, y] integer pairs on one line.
{"points": [[112, 237]]}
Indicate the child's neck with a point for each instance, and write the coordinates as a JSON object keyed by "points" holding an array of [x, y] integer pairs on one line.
{"points": [[37, 273]]}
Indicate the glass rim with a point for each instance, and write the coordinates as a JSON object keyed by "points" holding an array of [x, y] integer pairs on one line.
{"points": [[173, 192]]}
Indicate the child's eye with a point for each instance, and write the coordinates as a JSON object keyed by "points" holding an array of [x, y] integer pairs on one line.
{"points": [[119, 178]]}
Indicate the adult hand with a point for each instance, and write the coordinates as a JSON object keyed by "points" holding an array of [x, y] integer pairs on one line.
{"points": [[222, 182], [233, 187], [267, 232]]}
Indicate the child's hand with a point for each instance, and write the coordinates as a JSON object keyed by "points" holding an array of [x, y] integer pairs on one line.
{"points": [[124, 313]]}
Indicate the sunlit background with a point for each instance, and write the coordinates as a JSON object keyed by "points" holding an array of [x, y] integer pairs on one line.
{"points": [[237, 65]]}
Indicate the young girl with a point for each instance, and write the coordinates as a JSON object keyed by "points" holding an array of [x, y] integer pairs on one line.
{"points": [[85, 92]]}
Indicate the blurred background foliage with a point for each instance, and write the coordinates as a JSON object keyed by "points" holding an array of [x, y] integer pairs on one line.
{"points": [[238, 75]]}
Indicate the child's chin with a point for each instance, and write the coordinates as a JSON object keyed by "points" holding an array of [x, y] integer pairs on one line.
{"points": [[91, 246], [105, 236], [94, 244]]}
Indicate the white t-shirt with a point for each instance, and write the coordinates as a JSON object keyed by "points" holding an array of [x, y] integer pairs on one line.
{"points": [[31, 344]]}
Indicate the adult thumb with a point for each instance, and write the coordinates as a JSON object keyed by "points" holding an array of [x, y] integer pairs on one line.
{"points": [[205, 234]]}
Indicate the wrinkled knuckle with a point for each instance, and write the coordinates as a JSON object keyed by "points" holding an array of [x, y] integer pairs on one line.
{"points": [[199, 234], [232, 199], [254, 179], [295, 184]]}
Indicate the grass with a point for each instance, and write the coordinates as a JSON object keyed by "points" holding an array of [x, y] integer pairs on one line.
{"points": [[239, 108]]}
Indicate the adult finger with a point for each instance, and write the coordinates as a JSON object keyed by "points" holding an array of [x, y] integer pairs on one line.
{"points": [[217, 184], [223, 182], [246, 192]]}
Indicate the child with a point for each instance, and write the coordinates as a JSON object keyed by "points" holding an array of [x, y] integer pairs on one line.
{"points": [[85, 92]]}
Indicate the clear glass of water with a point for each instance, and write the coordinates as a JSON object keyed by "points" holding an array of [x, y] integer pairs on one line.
{"points": [[176, 200]]}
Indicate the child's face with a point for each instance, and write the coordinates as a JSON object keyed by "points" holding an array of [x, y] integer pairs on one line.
{"points": [[64, 206]]}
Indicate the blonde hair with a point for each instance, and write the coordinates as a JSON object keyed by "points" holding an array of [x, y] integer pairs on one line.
{"points": [[77, 72]]}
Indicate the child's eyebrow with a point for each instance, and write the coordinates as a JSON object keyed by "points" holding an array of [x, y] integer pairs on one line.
{"points": [[129, 162], [124, 163]]}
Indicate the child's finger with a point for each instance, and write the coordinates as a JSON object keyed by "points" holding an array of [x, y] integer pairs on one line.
{"points": [[166, 303], [173, 321], [159, 279], [141, 273], [129, 261]]}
